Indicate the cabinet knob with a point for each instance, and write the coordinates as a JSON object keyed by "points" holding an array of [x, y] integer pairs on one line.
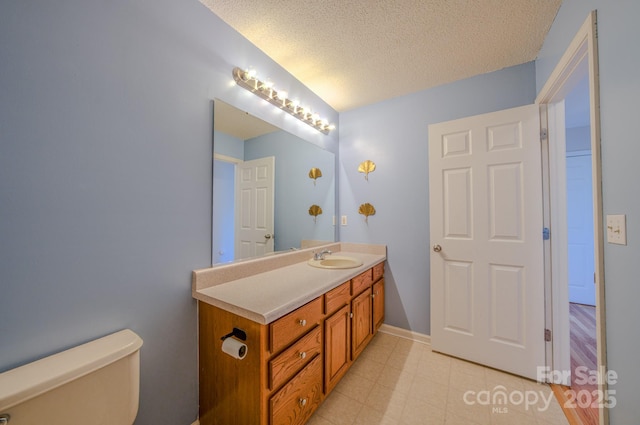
{"points": [[302, 355], [302, 402], [302, 322], [437, 248]]}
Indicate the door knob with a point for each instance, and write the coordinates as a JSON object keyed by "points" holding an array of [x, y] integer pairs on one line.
{"points": [[437, 248], [268, 236]]}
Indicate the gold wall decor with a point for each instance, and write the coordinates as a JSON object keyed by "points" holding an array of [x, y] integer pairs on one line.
{"points": [[314, 173], [315, 211], [367, 167], [366, 210]]}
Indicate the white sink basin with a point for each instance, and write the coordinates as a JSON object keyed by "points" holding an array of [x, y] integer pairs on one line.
{"points": [[336, 262]]}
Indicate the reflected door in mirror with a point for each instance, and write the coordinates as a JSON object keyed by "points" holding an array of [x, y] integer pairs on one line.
{"points": [[254, 207]]}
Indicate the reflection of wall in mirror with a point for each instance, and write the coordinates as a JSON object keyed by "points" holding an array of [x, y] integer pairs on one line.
{"points": [[223, 220], [294, 191]]}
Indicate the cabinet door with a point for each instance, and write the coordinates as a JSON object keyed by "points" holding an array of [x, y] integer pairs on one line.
{"points": [[337, 351], [378, 304], [361, 330]]}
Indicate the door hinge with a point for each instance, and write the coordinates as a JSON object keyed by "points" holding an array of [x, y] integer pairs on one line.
{"points": [[546, 234], [543, 134], [547, 335]]}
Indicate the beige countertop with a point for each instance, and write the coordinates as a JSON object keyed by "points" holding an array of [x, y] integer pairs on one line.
{"points": [[266, 296]]}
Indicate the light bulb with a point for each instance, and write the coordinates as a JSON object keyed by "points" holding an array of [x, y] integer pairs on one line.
{"points": [[282, 96]]}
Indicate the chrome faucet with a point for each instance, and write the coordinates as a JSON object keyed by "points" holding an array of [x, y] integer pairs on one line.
{"points": [[320, 255]]}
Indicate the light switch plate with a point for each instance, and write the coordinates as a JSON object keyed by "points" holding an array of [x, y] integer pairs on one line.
{"points": [[343, 220], [617, 229]]}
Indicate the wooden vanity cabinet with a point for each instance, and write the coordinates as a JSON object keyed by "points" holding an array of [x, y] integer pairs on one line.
{"points": [[378, 296], [361, 330], [337, 347], [291, 364], [378, 304]]}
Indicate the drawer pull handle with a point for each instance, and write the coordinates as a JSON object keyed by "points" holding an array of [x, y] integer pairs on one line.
{"points": [[303, 355], [302, 402], [303, 322]]}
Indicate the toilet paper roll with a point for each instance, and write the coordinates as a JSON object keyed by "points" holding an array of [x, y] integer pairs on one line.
{"points": [[234, 348]]}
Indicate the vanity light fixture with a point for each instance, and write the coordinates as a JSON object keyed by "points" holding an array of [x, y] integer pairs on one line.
{"points": [[248, 80]]}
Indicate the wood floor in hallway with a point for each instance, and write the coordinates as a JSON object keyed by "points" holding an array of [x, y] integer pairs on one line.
{"points": [[584, 356]]}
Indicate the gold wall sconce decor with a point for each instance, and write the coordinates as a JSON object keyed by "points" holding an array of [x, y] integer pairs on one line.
{"points": [[315, 211], [314, 173], [265, 90], [366, 210], [367, 167]]}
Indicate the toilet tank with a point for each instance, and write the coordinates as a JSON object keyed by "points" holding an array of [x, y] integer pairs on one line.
{"points": [[91, 384]]}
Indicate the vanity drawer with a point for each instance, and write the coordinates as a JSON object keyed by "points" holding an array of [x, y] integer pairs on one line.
{"points": [[297, 400], [361, 282], [288, 328], [294, 358], [337, 298], [378, 271]]}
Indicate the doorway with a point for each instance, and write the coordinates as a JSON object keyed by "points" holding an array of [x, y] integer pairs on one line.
{"points": [[223, 224], [578, 65], [580, 246], [244, 193]]}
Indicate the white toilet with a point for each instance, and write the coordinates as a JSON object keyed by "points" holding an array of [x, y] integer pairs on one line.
{"points": [[91, 384]]}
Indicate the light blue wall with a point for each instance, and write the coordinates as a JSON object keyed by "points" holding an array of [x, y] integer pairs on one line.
{"points": [[393, 134], [105, 177], [619, 62], [224, 175], [578, 139], [228, 145]]}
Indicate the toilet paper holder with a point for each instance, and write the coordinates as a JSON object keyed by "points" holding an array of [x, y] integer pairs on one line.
{"points": [[238, 333]]}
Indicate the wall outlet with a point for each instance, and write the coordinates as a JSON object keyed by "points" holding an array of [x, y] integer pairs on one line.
{"points": [[617, 229]]}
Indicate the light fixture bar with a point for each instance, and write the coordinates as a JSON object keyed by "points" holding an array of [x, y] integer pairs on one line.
{"points": [[248, 80]]}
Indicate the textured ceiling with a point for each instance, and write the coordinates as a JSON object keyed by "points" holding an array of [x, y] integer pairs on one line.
{"points": [[356, 52]]}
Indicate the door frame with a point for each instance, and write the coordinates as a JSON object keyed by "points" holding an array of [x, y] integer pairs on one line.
{"points": [[581, 55], [235, 162]]}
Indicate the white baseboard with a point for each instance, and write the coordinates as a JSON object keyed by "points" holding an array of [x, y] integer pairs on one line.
{"points": [[403, 333]]}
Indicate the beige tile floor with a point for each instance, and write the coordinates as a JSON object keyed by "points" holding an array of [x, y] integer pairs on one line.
{"points": [[396, 381]]}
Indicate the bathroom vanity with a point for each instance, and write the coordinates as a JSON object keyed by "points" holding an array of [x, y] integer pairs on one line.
{"points": [[303, 328]]}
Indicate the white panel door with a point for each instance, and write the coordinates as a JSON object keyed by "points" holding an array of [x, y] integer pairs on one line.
{"points": [[254, 207], [582, 288], [487, 276]]}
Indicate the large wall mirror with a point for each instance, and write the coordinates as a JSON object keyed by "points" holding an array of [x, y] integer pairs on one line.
{"points": [[262, 191]]}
